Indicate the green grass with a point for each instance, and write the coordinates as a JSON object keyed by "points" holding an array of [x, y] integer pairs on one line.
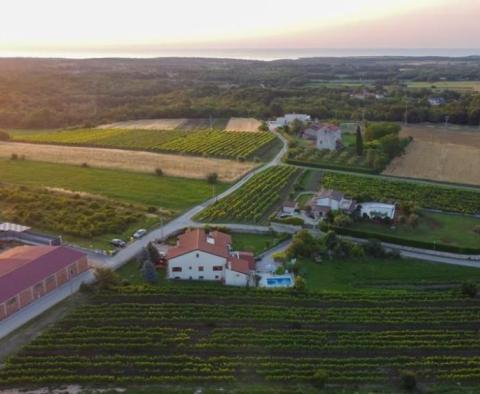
{"points": [[304, 199], [347, 275], [443, 85], [255, 243], [170, 193], [442, 228], [131, 272]]}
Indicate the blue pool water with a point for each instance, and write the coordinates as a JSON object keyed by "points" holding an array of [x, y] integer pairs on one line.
{"points": [[277, 282]]}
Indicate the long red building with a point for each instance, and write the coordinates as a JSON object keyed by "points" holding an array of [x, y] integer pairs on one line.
{"points": [[29, 272]]}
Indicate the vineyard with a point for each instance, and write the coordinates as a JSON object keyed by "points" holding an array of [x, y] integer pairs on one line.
{"points": [[203, 334], [425, 196], [220, 144], [252, 201]]}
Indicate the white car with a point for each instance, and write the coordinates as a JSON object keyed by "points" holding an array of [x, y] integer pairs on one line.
{"points": [[139, 233]]}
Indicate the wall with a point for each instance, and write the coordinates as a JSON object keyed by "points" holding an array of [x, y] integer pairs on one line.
{"points": [[190, 260], [233, 278]]}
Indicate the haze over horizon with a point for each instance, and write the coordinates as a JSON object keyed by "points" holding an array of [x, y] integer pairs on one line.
{"points": [[146, 28]]}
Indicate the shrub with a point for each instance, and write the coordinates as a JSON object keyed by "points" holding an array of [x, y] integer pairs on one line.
{"points": [[409, 380], [469, 289], [376, 131], [413, 220], [158, 171], [212, 178], [299, 284], [476, 229], [342, 220], [85, 165], [149, 272], [281, 257], [106, 278], [14, 156], [4, 136], [280, 270], [319, 378]]}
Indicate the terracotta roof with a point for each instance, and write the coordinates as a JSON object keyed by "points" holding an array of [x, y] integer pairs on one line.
{"points": [[196, 239], [24, 266], [243, 264]]}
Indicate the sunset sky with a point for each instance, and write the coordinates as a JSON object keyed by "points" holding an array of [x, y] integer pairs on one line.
{"points": [[32, 27]]}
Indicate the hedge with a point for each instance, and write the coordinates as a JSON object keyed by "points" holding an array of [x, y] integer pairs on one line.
{"points": [[404, 242], [332, 167]]}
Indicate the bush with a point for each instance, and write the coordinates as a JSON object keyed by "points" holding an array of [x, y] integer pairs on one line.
{"points": [[469, 289], [158, 171], [106, 278], [476, 229], [299, 284], [85, 165], [149, 272], [14, 156], [4, 136], [294, 221], [409, 380], [212, 178], [319, 378], [281, 257], [342, 220], [280, 270], [376, 131]]}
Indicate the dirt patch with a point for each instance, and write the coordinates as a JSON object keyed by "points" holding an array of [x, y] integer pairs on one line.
{"points": [[171, 165], [439, 161], [243, 124], [146, 124]]}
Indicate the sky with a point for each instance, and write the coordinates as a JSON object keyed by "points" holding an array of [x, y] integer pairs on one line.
{"points": [[36, 28]]}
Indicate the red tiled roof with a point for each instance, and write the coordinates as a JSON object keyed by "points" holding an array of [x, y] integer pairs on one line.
{"points": [[196, 239], [24, 266], [242, 265]]}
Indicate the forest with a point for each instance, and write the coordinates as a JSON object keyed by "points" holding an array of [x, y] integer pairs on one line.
{"points": [[52, 93]]}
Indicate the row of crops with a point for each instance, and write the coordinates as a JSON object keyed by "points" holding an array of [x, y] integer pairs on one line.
{"points": [[253, 200], [237, 145], [141, 335], [426, 196]]}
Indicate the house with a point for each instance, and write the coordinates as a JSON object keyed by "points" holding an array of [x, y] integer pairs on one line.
{"points": [[377, 210], [289, 207], [30, 272], [286, 120], [199, 255], [326, 136], [436, 101], [331, 200], [23, 234]]}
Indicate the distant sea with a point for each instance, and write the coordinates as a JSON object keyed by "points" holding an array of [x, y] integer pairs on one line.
{"points": [[250, 54]]}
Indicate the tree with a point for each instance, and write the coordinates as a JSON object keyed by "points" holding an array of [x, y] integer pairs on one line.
{"points": [[153, 254], [375, 131], [149, 272], [319, 378], [409, 380], [158, 171], [469, 289], [212, 178], [106, 278], [299, 284], [263, 126], [359, 142], [342, 220]]}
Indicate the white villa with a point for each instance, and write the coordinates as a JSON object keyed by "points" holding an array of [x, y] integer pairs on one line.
{"points": [[199, 255], [331, 200], [377, 210], [326, 136], [287, 119]]}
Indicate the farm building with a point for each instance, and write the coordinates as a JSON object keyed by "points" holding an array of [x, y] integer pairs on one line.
{"points": [[326, 136], [30, 272], [331, 200], [208, 256], [20, 233], [436, 101], [289, 207], [377, 210], [287, 119]]}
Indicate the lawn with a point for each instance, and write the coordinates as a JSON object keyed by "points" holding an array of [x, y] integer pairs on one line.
{"points": [[377, 273], [176, 194], [442, 228], [461, 86], [255, 243]]}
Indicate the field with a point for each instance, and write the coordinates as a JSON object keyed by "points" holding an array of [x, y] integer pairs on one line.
{"points": [[243, 124], [201, 335], [167, 193], [146, 124], [447, 155], [223, 144], [437, 228], [365, 188], [256, 243], [254, 200], [147, 162], [460, 86]]}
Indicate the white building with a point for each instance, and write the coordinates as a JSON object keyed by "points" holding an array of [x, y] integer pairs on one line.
{"points": [[377, 210], [289, 207], [287, 119], [202, 256], [326, 136], [331, 200], [436, 101]]}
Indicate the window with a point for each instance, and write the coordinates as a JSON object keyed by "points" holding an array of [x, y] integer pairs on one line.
{"points": [[11, 301], [217, 268], [198, 255], [177, 269], [216, 276], [50, 279], [190, 268], [200, 268], [200, 277]]}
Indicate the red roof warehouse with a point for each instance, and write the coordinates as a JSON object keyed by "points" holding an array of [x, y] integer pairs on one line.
{"points": [[29, 272]]}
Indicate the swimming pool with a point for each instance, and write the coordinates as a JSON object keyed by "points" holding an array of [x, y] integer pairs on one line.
{"points": [[279, 282]]}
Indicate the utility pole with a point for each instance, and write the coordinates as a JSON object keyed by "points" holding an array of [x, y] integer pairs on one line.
{"points": [[447, 118]]}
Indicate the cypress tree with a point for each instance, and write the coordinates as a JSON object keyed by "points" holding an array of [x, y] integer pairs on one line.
{"points": [[359, 142]]}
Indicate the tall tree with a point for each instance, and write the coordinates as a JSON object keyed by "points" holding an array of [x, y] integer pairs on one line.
{"points": [[149, 272], [359, 141]]}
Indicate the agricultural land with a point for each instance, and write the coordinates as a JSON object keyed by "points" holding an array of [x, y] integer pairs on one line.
{"points": [[439, 154]]}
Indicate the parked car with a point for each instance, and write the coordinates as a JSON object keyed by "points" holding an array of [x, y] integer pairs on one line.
{"points": [[118, 243], [139, 233]]}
